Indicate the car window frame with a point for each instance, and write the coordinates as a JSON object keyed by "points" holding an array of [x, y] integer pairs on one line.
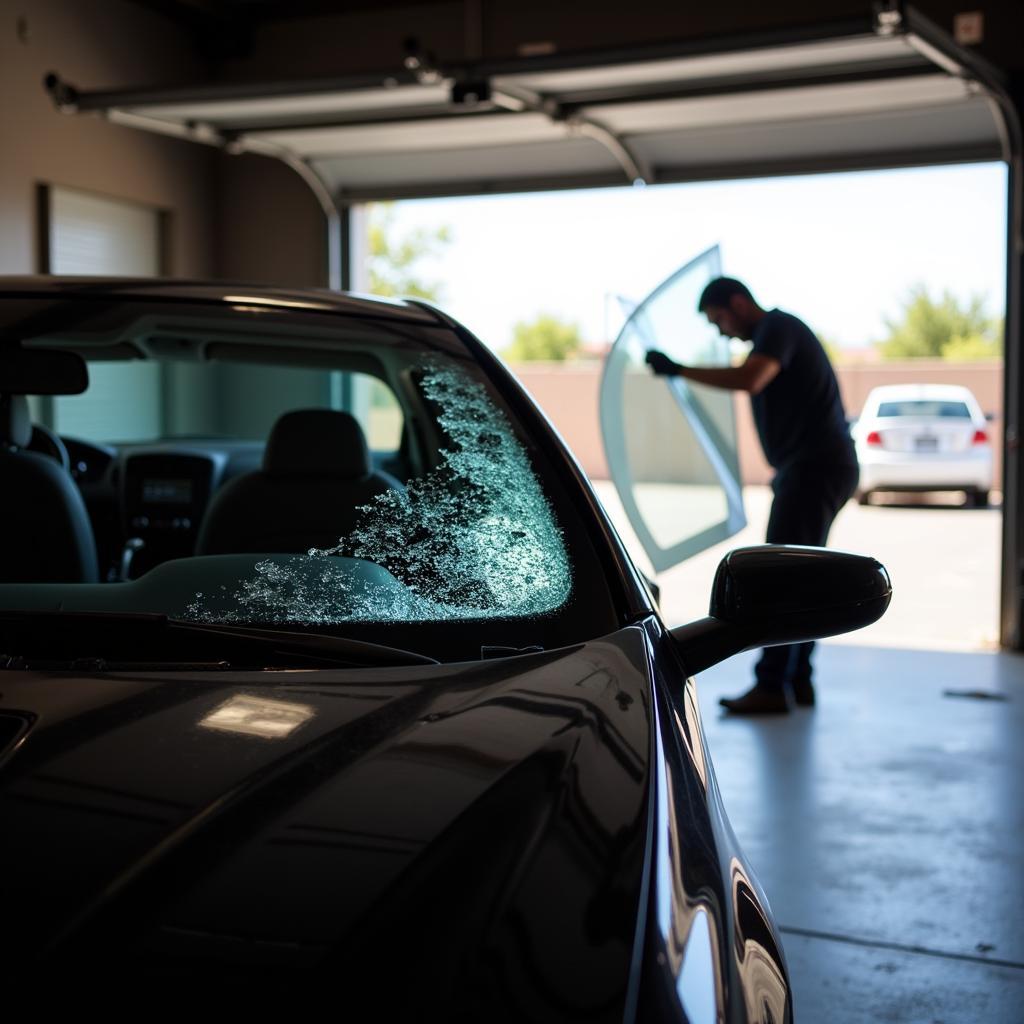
{"points": [[583, 616]]}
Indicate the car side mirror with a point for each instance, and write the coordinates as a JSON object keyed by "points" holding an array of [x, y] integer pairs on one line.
{"points": [[783, 594]]}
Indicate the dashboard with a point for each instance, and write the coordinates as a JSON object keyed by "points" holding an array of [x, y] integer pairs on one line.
{"points": [[146, 501]]}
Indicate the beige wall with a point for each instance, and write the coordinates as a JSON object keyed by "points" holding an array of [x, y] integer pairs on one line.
{"points": [[568, 393], [270, 227], [244, 218], [95, 44]]}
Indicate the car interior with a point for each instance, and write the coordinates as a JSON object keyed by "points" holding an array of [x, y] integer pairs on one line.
{"points": [[114, 511]]}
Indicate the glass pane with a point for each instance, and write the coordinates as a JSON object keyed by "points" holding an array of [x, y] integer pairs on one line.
{"points": [[384, 419], [945, 410], [124, 403], [473, 538], [671, 445]]}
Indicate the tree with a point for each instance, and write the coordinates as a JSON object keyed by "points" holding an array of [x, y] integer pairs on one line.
{"points": [[975, 348], [546, 337], [942, 329], [394, 263], [832, 348]]}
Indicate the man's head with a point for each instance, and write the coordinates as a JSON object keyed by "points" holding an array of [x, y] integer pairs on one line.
{"points": [[728, 304]]}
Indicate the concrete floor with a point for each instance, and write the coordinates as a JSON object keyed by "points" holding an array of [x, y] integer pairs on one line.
{"points": [[886, 824], [887, 828]]}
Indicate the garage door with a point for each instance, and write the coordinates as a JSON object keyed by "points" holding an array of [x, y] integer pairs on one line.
{"points": [[874, 93]]}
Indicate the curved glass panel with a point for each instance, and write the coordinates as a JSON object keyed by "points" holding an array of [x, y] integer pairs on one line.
{"points": [[671, 445]]}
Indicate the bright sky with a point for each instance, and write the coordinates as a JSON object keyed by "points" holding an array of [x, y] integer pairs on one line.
{"points": [[839, 250]]}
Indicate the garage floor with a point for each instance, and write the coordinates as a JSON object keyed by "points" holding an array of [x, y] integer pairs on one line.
{"points": [[887, 828]]}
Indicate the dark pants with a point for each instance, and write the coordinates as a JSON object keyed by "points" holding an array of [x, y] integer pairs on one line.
{"points": [[807, 498]]}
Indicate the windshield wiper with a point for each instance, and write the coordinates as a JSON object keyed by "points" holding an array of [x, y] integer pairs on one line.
{"points": [[317, 645], [59, 639]]}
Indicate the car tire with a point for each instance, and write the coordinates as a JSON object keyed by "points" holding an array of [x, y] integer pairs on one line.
{"points": [[977, 499]]}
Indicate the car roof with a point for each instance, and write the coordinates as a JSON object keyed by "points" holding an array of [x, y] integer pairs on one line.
{"points": [[226, 292], [934, 392]]}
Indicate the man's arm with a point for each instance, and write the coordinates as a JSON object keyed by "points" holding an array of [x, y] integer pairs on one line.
{"points": [[754, 375]]}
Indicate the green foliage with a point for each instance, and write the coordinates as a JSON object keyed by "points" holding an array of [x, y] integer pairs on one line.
{"points": [[546, 337], [974, 349], [832, 349], [942, 329], [394, 263]]}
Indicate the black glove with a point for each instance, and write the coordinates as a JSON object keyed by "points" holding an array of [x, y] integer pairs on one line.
{"points": [[661, 364]]}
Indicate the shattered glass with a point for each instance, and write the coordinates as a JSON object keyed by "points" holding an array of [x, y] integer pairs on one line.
{"points": [[474, 538]]}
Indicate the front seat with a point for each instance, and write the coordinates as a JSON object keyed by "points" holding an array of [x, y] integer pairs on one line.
{"points": [[316, 473], [45, 533]]}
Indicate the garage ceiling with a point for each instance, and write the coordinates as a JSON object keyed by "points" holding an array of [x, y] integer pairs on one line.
{"points": [[832, 98]]}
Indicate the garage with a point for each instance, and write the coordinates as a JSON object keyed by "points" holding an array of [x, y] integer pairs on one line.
{"points": [[242, 141]]}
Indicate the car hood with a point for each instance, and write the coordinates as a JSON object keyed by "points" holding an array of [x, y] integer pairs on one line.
{"points": [[480, 824]]}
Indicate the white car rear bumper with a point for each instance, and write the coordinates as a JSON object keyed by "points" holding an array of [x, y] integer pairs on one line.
{"points": [[896, 470]]}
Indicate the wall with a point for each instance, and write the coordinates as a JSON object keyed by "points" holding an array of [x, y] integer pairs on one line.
{"points": [[95, 44], [368, 35], [569, 393], [270, 227]]}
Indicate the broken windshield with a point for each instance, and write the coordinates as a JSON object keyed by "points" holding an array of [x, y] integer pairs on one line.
{"points": [[475, 537]]}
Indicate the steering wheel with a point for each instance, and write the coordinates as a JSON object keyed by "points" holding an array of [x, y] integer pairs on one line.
{"points": [[46, 442]]}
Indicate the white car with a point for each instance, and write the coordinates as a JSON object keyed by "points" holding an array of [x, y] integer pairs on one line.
{"points": [[924, 437]]}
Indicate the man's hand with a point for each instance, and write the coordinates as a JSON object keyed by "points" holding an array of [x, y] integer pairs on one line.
{"points": [[661, 364]]}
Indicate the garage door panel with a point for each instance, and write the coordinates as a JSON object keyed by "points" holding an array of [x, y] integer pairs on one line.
{"points": [[872, 91], [537, 161]]}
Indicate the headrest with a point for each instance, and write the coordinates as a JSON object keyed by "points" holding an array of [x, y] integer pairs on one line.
{"points": [[317, 442], [15, 424]]}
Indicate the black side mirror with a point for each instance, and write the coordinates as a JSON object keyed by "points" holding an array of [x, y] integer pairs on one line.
{"points": [[782, 594]]}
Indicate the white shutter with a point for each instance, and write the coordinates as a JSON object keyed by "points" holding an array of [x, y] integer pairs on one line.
{"points": [[94, 235]]}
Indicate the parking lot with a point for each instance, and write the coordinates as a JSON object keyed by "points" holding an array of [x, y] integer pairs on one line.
{"points": [[943, 560]]}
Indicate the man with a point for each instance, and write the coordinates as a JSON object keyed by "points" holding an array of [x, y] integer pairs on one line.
{"points": [[802, 427]]}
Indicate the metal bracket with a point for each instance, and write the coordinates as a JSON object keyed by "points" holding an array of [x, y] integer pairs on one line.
{"points": [[517, 99]]}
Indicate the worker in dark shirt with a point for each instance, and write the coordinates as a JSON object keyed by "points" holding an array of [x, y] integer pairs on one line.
{"points": [[803, 430]]}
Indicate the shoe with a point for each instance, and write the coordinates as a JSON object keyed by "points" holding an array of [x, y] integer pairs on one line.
{"points": [[803, 694], [759, 700]]}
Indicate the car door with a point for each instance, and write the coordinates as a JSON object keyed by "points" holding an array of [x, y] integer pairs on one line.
{"points": [[670, 443]]}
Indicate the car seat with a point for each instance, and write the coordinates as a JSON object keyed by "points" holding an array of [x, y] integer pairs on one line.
{"points": [[45, 533], [316, 473]]}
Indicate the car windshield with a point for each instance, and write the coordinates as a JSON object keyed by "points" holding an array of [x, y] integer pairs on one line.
{"points": [[925, 408], [248, 465]]}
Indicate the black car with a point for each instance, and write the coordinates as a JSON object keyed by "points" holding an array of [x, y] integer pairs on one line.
{"points": [[322, 661]]}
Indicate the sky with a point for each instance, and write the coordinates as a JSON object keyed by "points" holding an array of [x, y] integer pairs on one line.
{"points": [[839, 250]]}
